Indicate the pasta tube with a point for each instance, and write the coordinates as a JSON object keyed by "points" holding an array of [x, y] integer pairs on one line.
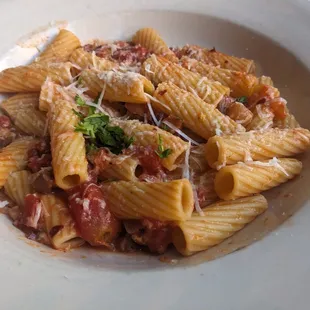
{"points": [[215, 58], [31, 121], [240, 83], [68, 147], [245, 179], [30, 78], [85, 60], [59, 224], [219, 222], [148, 135], [288, 122], [18, 186], [150, 38], [117, 86], [163, 201], [51, 92], [69, 160], [256, 145], [159, 69], [60, 49], [262, 118], [266, 80], [61, 118], [18, 102], [200, 117], [127, 169], [14, 157]]}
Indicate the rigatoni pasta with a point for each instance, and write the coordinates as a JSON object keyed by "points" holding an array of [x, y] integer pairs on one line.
{"points": [[59, 224], [60, 49], [200, 117], [18, 185], [216, 58], [150, 38], [163, 201], [240, 83], [85, 60], [117, 86], [140, 146], [30, 78], [14, 157], [245, 179], [256, 145], [220, 221], [159, 69]]}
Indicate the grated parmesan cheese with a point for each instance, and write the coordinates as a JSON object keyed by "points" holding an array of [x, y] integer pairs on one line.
{"points": [[3, 203], [271, 163], [180, 132], [156, 100], [155, 120]]}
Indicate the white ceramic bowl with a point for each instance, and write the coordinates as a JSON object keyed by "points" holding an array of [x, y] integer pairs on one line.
{"points": [[270, 274]]}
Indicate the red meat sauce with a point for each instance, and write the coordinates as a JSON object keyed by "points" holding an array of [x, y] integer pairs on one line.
{"points": [[39, 156], [151, 169], [7, 131], [95, 223], [126, 53]]}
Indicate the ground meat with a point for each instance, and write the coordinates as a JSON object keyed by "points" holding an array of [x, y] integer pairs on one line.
{"points": [[126, 244], [39, 156], [153, 171], [6, 136], [156, 235], [32, 214], [225, 103], [125, 53], [5, 122], [43, 181], [96, 224]]}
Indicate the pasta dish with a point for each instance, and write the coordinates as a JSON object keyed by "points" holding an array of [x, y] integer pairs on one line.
{"points": [[137, 146]]}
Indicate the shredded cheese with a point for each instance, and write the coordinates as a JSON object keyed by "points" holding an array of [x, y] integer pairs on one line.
{"points": [[155, 120], [271, 163], [185, 172], [180, 132], [3, 203], [156, 100]]}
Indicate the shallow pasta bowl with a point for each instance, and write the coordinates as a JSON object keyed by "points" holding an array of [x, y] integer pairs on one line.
{"points": [[270, 273]]}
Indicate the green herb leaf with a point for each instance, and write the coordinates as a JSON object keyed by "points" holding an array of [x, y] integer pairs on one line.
{"points": [[90, 124], [161, 152], [79, 114], [80, 102], [243, 99], [96, 127]]}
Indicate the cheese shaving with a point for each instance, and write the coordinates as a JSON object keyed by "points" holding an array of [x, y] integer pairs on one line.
{"points": [[271, 163], [3, 203], [185, 172], [180, 132], [156, 100], [155, 120]]}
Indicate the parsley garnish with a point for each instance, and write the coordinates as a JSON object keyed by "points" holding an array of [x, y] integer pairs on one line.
{"points": [[161, 152], [100, 134], [243, 99], [81, 103]]}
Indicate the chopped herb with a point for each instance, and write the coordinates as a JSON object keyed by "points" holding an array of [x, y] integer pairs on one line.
{"points": [[161, 152], [79, 114], [101, 134], [243, 99], [80, 102], [80, 80], [90, 147]]}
